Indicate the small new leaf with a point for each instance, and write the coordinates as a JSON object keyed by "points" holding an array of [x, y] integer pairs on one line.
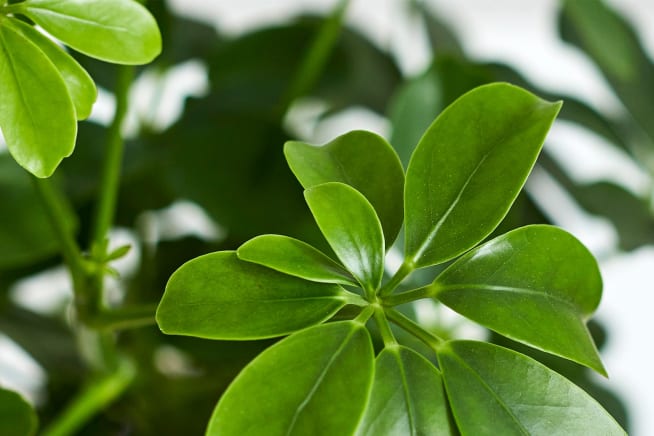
{"points": [[495, 391], [315, 382], [218, 296], [118, 31], [536, 284], [350, 225], [362, 160], [295, 258]]}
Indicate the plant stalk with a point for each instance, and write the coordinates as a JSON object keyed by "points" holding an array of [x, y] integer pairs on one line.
{"points": [[112, 162], [93, 398], [430, 339], [405, 269], [409, 296]]}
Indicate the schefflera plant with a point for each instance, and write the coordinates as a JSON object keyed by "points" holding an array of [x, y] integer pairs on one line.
{"points": [[537, 285]]}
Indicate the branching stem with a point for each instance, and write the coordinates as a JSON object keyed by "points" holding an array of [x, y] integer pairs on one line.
{"points": [[415, 329]]}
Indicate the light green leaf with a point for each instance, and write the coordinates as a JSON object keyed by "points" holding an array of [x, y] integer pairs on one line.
{"points": [[78, 82], [350, 225], [362, 160], [407, 397], [37, 116], [537, 285], [17, 418], [297, 258], [218, 296], [495, 391], [119, 31], [315, 382], [469, 167]]}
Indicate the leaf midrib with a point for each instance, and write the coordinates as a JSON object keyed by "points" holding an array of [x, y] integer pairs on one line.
{"points": [[318, 381], [510, 289], [492, 392], [63, 17], [407, 394]]}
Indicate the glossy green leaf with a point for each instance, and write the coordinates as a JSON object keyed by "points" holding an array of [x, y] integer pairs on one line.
{"points": [[407, 398], [362, 160], [17, 418], [37, 116], [496, 391], [537, 285], [120, 31], [350, 225], [78, 82], [469, 167], [26, 234], [294, 257], [218, 296], [315, 382]]}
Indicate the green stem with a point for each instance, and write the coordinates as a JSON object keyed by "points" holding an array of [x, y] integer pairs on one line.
{"points": [[409, 296], [106, 209], [316, 56], [364, 315], [124, 318], [415, 329], [405, 269], [55, 211], [94, 398], [355, 299], [384, 328]]}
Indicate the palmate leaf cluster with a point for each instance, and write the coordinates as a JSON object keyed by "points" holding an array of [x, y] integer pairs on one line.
{"points": [[537, 285]]}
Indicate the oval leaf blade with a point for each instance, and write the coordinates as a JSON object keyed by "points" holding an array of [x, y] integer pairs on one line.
{"points": [[469, 167], [37, 116], [350, 225], [407, 398], [315, 382], [218, 296], [294, 257], [495, 391], [119, 31], [17, 418], [536, 285], [80, 86], [362, 160]]}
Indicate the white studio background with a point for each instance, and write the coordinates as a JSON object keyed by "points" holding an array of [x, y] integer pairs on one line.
{"points": [[524, 35]]}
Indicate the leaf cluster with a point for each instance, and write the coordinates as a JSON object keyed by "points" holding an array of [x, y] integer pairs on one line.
{"points": [[537, 285]]}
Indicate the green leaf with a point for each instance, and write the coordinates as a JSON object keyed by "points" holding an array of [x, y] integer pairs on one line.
{"points": [[350, 225], [362, 160], [290, 256], [37, 116], [407, 397], [217, 296], [78, 82], [119, 31], [496, 391], [315, 382], [537, 285], [17, 418], [469, 167]]}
